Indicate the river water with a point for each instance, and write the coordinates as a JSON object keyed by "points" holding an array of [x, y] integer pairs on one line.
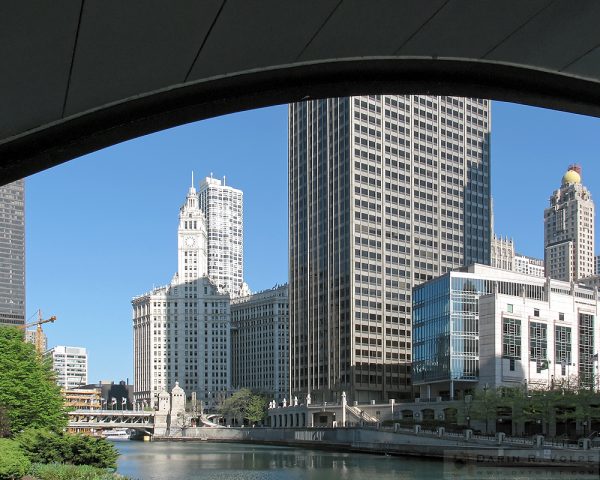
{"points": [[236, 461]]}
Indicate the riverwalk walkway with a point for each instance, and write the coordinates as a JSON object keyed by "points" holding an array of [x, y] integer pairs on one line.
{"points": [[436, 444]]}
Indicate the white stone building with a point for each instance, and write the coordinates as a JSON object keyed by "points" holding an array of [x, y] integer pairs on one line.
{"points": [[182, 331], [482, 326], [503, 256], [223, 207], [569, 230], [260, 342], [70, 365], [528, 265], [502, 253]]}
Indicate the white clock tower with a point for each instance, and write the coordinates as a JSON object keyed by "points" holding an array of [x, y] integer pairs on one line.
{"points": [[191, 239]]}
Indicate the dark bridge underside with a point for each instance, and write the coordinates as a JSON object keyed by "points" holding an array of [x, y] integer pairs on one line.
{"points": [[78, 135], [81, 75]]}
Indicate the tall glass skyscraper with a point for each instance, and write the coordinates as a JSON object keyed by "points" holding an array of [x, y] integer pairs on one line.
{"points": [[385, 192], [12, 253]]}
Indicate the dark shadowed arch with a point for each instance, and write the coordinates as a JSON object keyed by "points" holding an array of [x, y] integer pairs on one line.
{"points": [[79, 76]]}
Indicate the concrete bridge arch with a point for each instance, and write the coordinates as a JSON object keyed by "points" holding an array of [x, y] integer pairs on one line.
{"points": [[79, 76]]}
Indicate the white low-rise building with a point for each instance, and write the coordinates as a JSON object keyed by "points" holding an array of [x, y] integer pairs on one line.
{"points": [[480, 326], [528, 265], [70, 365]]}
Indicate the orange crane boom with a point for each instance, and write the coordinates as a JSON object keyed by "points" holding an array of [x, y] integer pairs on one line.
{"points": [[39, 345]]}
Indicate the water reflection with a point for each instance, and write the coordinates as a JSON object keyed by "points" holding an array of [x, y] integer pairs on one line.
{"points": [[232, 461], [222, 461]]}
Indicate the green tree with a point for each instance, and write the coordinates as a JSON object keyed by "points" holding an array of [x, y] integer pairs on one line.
{"points": [[257, 409], [45, 446], [243, 404], [28, 391], [544, 402], [13, 462], [585, 404], [236, 405], [4, 422], [42, 446], [512, 402], [484, 406], [95, 452]]}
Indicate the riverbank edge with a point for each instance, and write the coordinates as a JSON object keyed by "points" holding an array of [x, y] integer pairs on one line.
{"points": [[587, 461]]}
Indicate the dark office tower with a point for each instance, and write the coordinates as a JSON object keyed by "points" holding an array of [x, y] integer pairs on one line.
{"points": [[385, 192], [12, 253]]}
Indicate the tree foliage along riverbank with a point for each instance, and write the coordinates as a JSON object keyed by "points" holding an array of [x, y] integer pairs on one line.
{"points": [[47, 455], [13, 461], [33, 416], [29, 396], [245, 405], [44, 446], [562, 403]]}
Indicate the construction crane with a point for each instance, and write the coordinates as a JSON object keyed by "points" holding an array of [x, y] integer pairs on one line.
{"points": [[39, 343]]}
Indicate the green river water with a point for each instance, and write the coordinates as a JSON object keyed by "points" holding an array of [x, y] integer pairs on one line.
{"points": [[235, 461]]}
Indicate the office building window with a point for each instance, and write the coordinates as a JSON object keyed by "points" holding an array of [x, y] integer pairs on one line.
{"points": [[538, 341], [511, 338]]}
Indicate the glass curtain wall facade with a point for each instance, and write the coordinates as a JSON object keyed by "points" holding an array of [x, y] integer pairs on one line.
{"points": [[446, 329], [385, 192]]}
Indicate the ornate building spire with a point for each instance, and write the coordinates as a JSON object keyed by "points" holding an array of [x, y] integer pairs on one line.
{"points": [[191, 243]]}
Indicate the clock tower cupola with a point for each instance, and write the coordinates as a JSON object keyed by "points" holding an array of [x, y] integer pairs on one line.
{"points": [[191, 241]]}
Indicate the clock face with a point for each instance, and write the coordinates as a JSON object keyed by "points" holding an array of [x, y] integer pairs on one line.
{"points": [[190, 242]]}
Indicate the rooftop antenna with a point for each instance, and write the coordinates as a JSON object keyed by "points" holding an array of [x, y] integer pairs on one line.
{"points": [[192, 179], [223, 180]]}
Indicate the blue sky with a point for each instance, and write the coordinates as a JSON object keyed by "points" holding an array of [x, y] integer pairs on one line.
{"points": [[103, 228]]}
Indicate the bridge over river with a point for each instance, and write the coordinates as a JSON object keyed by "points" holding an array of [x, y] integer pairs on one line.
{"points": [[88, 420]]}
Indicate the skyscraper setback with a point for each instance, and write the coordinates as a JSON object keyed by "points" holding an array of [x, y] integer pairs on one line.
{"points": [[385, 192]]}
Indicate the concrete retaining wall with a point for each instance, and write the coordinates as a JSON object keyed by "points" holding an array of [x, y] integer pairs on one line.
{"points": [[395, 443]]}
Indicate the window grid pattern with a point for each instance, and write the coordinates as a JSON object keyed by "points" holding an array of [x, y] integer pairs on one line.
{"points": [[511, 338], [562, 339], [586, 349], [538, 341]]}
